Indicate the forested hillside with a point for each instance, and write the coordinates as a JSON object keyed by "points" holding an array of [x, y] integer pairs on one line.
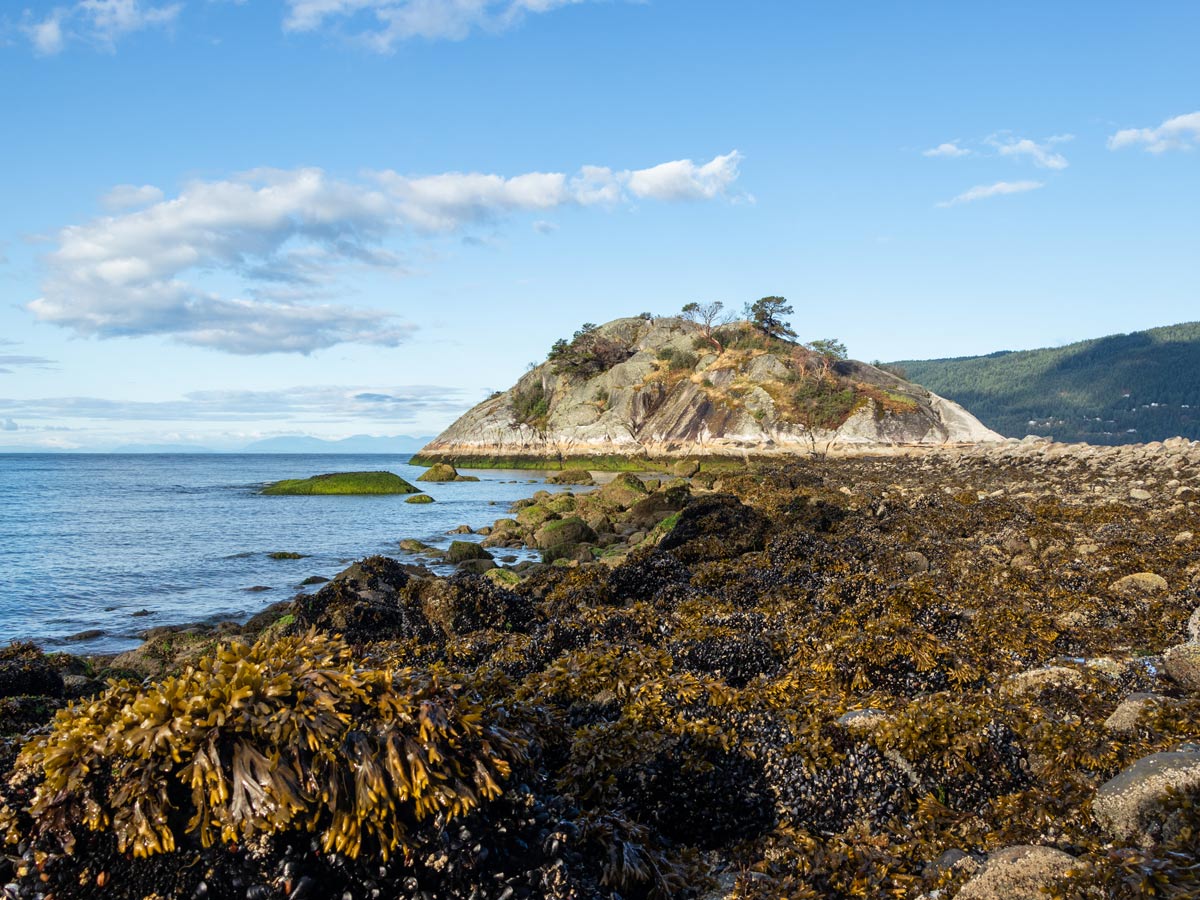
{"points": [[1124, 388]]}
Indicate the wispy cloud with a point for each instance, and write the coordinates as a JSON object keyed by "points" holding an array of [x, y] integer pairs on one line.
{"points": [[381, 24], [288, 235], [1178, 133], [320, 403], [101, 23], [947, 150], [984, 191], [10, 361], [1039, 154]]}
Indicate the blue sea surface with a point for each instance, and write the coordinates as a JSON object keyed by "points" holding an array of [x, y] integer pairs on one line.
{"points": [[88, 540]]}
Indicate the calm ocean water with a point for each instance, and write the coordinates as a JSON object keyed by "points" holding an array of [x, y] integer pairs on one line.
{"points": [[86, 541]]}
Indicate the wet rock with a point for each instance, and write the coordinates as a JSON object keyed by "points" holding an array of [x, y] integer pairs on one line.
{"points": [[1139, 584], [77, 686], [441, 472], [466, 603], [715, 527], [461, 551], [534, 517], [1018, 873], [314, 579], [419, 499], [25, 670], [622, 492], [364, 602], [1182, 665], [476, 566], [1134, 806], [563, 531], [285, 554], [92, 633], [412, 545], [461, 529], [571, 476]]}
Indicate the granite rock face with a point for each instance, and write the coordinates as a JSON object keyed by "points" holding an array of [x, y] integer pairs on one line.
{"points": [[659, 388]]}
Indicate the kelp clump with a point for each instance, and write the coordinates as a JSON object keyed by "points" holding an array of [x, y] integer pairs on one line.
{"points": [[257, 741]]}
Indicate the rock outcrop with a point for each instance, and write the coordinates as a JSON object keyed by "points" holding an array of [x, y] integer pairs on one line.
{"points": [[636, 387]]}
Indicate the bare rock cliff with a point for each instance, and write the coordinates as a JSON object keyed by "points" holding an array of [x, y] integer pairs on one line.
{"points": [[663, 387]]}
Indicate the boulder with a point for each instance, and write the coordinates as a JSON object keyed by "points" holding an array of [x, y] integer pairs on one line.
{"points": [[441, 472], [25, 671], [1036, 680], [571, 476], [622, 492], [1134, 805], [718, 526], [534, 517], [686, 468], [419, 498], [1182, 665], [1018, 873], [342, 483], [466, 603], [462, 551], [1193, 626], [1125, 717], [563, 531], [364, 603], [1139, 584]]}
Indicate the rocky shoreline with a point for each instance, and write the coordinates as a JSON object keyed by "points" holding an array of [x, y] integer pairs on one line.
{"points": [[968, 671]]}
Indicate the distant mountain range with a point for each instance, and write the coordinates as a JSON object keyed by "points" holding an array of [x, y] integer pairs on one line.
{"points": [[359, 443], [1119, 389]]}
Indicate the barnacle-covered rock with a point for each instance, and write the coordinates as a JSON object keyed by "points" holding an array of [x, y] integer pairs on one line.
{"points": [[1182, 665], [716, 527], [363, 603], [467, 603], [1018, 873], [24, 670], [1141, 804]]}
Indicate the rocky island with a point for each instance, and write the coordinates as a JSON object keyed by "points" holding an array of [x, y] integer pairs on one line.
{"points": [[642, 388]]}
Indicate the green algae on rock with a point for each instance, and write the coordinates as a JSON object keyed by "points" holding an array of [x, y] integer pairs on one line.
{"points": [[442, 472], [419, 498], [342, 483]]}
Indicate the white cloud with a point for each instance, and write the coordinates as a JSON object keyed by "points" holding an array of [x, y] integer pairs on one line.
{"points": [[288, 235], [1179, 133], [949, 150], [684, 180], [393, 21], [984, 191], [101, 22], [543, 226], [1040, 154], [130, 196]]}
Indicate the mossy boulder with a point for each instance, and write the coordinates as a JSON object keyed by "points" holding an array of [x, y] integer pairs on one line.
{"points": [[563, 503], [622, 492], [442, 472], [534, 517], [572, 476], [563, 531], [342, 483], [462, 551], [419, 498]]}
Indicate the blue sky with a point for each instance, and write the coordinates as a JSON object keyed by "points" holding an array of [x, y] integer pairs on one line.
{"points": [[221, 221]]}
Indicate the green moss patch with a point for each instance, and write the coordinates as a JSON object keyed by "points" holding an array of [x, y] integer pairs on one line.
{"points": [[342, 483], [419, 498]]}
